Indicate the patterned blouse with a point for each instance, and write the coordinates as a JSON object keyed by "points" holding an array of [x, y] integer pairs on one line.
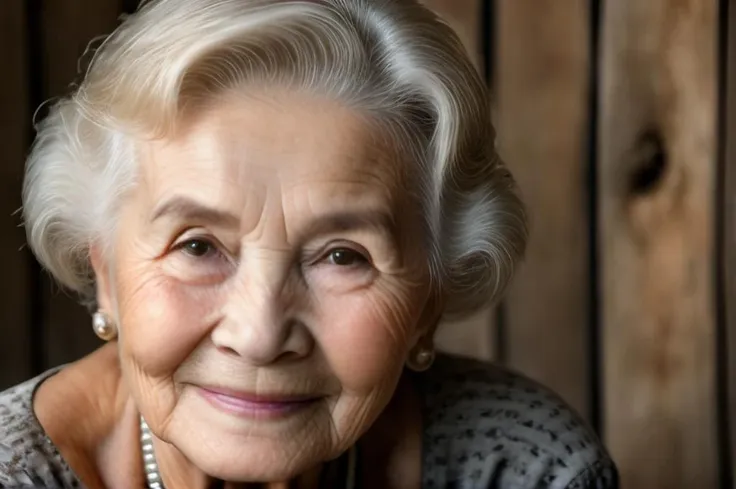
{"points": [[484, 428]]}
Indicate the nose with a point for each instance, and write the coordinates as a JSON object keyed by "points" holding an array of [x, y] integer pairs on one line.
{"points": [[258, 323]]}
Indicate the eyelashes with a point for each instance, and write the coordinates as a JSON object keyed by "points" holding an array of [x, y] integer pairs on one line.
{"points": [[199, 259], [345, 257], [197, 248], [207, 251]]}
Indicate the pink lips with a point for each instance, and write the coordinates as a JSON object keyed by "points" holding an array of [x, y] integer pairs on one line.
{"points": [[249, 405]]}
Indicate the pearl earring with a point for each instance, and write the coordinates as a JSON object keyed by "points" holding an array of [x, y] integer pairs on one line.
{"points": [[104, 327], [420, 359]]}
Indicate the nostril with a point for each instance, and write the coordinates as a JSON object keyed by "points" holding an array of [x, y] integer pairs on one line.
{"points": [[227, 350], [289, 356]]}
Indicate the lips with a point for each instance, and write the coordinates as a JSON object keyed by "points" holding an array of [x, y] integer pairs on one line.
{"points": [[261, 406]]}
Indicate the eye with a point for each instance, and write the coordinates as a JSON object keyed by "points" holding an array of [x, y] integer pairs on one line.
{"points": [[345, 257], [198, 259], [197, 248]]}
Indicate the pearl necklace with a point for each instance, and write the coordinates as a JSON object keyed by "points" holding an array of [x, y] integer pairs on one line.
{"points": [[153, 476]]}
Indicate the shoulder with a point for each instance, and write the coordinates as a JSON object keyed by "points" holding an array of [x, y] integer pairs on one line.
{"points": [[27, 456], [486, 427]]}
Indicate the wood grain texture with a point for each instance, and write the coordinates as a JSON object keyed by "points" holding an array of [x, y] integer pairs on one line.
{"points": [[15, 345], [475, 336], [68, 28], [657, 152], [541, 68]]}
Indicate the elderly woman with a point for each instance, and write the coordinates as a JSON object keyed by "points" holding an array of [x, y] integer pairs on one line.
{"points": [[270, 206]]}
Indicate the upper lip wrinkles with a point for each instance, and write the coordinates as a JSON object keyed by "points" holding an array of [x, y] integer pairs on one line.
{"points": [[260, 397]]}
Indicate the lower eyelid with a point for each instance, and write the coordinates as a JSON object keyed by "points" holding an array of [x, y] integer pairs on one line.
{"points": [[213, 258]]}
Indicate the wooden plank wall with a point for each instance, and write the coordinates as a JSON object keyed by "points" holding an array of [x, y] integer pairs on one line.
{"points": [[609, 115], [542, 64], [657, 162]]}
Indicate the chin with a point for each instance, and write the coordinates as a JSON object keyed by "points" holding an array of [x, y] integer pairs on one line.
{"points": [[239, 449], [259, 462]]}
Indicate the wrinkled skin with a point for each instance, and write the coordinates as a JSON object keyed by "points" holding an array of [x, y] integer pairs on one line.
{"points": [[270, 248]]}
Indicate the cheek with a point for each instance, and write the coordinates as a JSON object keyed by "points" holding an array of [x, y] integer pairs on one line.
{"points": [[162, 320], [366, 338]]}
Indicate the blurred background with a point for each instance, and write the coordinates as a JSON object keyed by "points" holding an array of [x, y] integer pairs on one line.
{"points": [[617, 118]]}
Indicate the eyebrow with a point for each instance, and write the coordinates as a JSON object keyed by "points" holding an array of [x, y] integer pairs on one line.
{"points": [[190, 209], [358, 220]]}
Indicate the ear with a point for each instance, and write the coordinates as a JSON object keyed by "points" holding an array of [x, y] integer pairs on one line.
{"points": [[103, 278], [429, 320]]}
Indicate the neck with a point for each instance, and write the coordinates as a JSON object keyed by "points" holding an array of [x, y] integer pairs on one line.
{"points": [[394, 442], [88, 396]]}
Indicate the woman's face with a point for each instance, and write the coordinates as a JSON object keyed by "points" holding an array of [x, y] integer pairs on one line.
{"points": [[269, 279]]}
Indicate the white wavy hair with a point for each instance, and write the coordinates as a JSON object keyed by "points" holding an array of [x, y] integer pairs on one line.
{"points": [[393, 60]]}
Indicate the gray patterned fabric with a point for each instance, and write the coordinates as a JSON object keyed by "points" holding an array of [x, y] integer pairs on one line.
{"points": [[484, 428], [27, 456]]}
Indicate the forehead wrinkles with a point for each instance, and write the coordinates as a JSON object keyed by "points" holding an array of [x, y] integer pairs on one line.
{"points": [[267, 125], [237, 151]]}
